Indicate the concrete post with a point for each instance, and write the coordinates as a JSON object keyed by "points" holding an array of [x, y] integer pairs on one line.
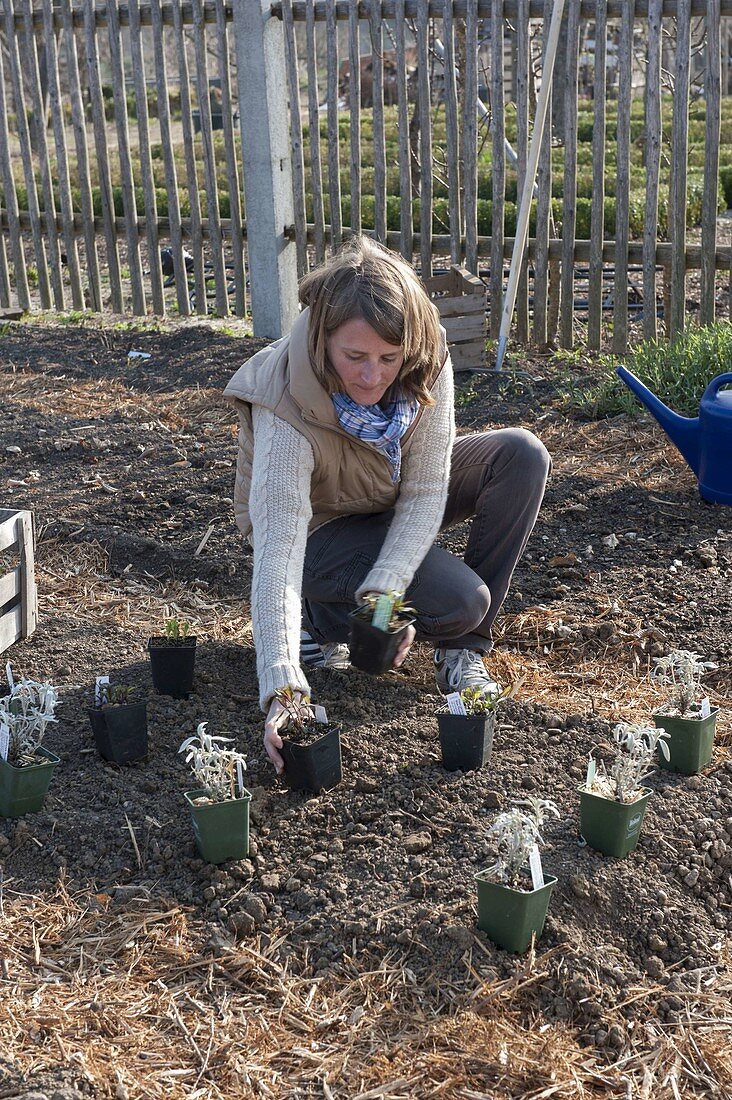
{"points": [[263, 116]]}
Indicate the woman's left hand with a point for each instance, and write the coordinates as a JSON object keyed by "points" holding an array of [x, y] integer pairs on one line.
{"points": [[405, 646]]}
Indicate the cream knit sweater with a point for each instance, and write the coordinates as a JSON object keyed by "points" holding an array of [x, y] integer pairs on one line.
{"points": [[280, 512]]}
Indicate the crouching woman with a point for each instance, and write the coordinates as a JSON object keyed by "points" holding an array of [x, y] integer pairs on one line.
{"points": [[347, 470]]}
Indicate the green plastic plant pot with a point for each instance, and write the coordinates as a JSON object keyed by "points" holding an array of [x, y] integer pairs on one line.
{"points": [[221, 829], [466, 741], [689, 743], [611, 827], [511, 917], [22, 790]]}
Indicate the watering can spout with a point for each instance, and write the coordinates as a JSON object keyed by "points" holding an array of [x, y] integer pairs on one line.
{"points": [[683, 431]]}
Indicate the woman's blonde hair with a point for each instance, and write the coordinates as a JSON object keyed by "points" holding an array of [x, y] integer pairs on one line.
{"points": [[365, 280]]}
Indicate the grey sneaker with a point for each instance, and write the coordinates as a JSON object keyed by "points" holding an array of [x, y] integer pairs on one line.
{"points": [[457, 669], [334, 655]]}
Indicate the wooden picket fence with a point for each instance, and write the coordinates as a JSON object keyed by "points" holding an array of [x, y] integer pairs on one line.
{"points": [[125, 95]]}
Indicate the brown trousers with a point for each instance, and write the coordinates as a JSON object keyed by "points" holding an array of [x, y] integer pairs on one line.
{"points": [[497, 478]]}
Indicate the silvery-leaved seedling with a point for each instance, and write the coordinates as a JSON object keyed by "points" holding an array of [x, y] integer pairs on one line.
{"points": [[215, 768], [516, 832], [634, 750], [27, 711], [684, 670]]}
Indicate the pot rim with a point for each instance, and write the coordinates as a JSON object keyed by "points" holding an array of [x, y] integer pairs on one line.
{"points": [[51, 758], [188, 795], [549, 880], [647, 791]]}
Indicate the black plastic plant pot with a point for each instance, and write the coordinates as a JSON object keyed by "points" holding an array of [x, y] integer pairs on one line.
{"points": [[510, 917], [373, 650], [612, 827], [221, 829], [22, 790], [172, 666], [689, 742], [314, 767], [120, 731], [466, 740]]}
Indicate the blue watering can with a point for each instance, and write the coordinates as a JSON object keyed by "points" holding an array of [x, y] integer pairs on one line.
{"points": [[705, 440]]}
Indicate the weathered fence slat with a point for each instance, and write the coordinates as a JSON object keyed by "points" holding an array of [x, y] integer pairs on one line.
{"points": [[213, 215], [4, 275], [425, 139], [199, 275], [11, 202], [460, 7], [78, 124], [296, 140], [129, 201], [653, 166], [148, 185], [100, 146], [354, 105], [232, 169], [522, 124], [316, 174], [622, 188], [452, 138], [499, 167], [569, 191], [377, 62], [62, 160], [470, 138], [406, 228], [543, 208], [712, 96], [334, 165], [180, 275], [679, 153], [597, 216]]}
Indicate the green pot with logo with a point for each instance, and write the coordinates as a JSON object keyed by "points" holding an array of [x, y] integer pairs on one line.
{"points": [[22, 790], [609, 826], [221, 829], [511, 917], [689, 742]]}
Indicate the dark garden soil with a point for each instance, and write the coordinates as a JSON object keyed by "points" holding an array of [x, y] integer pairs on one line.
{"points": [[343, 956]]}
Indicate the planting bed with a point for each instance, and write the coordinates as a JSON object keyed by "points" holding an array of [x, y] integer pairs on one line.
{"points": [[343, 956]]}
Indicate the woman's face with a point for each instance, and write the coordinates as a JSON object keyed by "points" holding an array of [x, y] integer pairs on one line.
{"points": [[365, 364]]}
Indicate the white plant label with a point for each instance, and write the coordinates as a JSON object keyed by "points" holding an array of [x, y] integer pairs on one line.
{"points": [[240, 778], [591, 772], [100, 682], [9, 676], [320, 714], [4, 740], [705, 708], [455, 704], [537, 874], [382, 612]]}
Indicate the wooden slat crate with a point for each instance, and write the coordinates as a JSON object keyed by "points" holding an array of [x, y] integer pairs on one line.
{"points": [[461, 300], [18, 596]]}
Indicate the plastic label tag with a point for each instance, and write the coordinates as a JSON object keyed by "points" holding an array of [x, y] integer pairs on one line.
{"points": [[455, 704], [100, 682], [240, 777], [382, 612], [139, 355], [537, 875], [591, 772], [4, 740], [320, 715], [705, 708], [9, 676]]}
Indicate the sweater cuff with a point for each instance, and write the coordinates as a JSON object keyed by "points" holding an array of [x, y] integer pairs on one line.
{"points": [[276, 677], [381, 579]]}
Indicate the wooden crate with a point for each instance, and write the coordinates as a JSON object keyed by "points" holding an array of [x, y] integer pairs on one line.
{"points": [[18, 596], [461, 300]]}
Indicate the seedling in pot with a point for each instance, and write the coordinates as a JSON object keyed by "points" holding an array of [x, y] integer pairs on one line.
{"points": [[26, 767], [118, 723], [687, 718], [467, 727], [220, 804], [311, 746], [172, 659], [513, 893], [613, 803], [377, 629]]}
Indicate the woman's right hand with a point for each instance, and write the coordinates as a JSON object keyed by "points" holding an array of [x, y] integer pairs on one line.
{"points": [[276, 720]]}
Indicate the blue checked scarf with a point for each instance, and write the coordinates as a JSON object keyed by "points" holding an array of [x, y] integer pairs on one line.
{"points": [[382, 427]]}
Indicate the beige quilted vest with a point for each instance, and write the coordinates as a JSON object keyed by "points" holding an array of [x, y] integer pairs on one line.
{"points": [[350, 477]]}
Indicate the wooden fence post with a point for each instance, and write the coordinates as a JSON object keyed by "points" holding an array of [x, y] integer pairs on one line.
{"points": [[263, 113]]}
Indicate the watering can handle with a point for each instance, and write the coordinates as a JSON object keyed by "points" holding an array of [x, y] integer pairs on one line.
{"points": [[717, 383]]}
